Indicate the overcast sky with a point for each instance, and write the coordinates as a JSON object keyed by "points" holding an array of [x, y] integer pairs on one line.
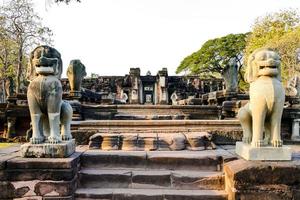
{"points": [[110, 36]]}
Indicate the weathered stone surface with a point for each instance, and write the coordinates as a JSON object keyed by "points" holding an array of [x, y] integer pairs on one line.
{"points": [[199, 141], [111, 141], [55, 188], [269, 180], [147, 141], [8, 191], [151, 179], [47, 150], [209, 160], [263, 153], [129, 142], [44, 163], [37, 174], [96, 158], [173, 142], [4, 159], [204, 180], [95, 141], [223, 131], [90, 178], [151, 194]]}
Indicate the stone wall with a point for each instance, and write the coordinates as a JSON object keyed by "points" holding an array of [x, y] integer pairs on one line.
{"points": [[43, 178]]}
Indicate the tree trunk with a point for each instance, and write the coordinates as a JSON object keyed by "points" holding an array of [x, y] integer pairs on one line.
{"points": [[19, 69]]}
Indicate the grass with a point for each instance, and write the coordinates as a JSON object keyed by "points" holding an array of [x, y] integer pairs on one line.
{"points": [[4, 144]]}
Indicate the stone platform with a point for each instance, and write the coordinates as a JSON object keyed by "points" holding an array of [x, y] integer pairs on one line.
{"points": [[224, 131], [248, 152], [47, 150], [254, 180], [43, 178]]}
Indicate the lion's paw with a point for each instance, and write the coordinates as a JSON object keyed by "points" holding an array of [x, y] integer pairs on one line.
{"points": [[54, 140], [66, 137], [258, 143], [276, 143], [246, 140], [36, 140]]}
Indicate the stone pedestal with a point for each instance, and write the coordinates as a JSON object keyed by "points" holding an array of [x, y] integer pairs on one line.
{"points": [[43, 178], [248, 152], [256, 180], [47, 150]]}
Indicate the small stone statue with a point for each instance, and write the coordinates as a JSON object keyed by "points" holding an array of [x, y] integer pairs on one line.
{"points": [[9, 86], [76, 72], [293, 87], [230, 75], [47, 110], [261, 117]]}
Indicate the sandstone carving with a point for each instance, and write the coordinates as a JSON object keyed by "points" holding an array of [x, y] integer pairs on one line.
{"points": [[9, 87], [76, 72], [293, 87], [230, 75], [261, 117], [47, 110]]}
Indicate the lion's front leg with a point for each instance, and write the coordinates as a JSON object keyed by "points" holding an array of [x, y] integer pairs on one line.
{"points": [[54, 122], [35, 115], [37, 137], [246, 121], [259, 112], [54, 108], [66, 118], [275, 125]]}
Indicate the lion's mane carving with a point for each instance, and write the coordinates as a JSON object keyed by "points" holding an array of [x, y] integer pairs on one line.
{"points": [[47, 110], [261, 117]]}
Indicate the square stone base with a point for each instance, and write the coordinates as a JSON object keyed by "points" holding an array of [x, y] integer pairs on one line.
{"points": [[248, 152], [47, 150]]}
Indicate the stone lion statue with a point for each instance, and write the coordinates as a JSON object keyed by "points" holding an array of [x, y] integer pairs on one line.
{"points": [[76, 72], [261, 117], [47, 110]]}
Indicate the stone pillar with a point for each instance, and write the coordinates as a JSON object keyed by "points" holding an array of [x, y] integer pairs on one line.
{"points": [[134, 74], [162, 80]]}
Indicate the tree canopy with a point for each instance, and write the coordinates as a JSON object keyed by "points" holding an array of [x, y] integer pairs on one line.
{"points": [[280, 31], [21, 30], [214, 56]]}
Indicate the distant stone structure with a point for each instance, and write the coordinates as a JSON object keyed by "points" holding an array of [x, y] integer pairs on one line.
{"points": [[149, 89], [261, 117], [47, 110]]}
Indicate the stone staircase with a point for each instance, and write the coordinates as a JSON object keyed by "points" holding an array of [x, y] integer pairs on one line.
{"points": [[152, 175]]}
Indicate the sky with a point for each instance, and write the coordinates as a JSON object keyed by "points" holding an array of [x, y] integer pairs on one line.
{"points": [[111, 36]]}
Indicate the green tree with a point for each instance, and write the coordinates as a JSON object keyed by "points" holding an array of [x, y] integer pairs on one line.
{"points": [[8, 56], [214, 55], [23, 26], [280, 31], [287, 46]]}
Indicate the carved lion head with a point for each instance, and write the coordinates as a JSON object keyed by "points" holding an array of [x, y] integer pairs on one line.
{"points": [[263, 62], [44, 60]]}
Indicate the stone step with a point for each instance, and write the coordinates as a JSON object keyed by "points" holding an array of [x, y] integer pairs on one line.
{"points": [[151, 179], [172, 160], [148, 194]]}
